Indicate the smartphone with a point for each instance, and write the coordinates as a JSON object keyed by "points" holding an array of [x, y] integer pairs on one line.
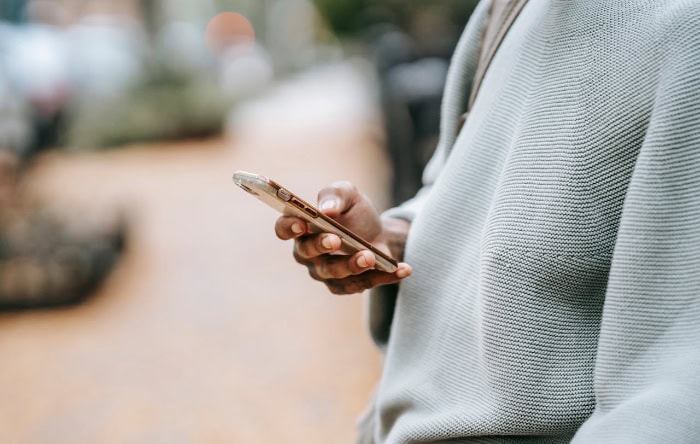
{"points": [[288, 203]]}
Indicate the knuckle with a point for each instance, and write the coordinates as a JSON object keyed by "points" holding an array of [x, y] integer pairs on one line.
{"points": [[352, 266], [322, 270], [342, 188], [283, 228], [279, 231], [355, 287], [361, 283], [313, 272], [302, 253], [343, 185], [297, 254], [335, 288], [348, 267], [336, 267], [304, 248], [319, 243]]}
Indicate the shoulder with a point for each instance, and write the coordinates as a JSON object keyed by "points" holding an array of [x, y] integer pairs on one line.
{"points": [[674, 38], [677, 100], [679, 21]]}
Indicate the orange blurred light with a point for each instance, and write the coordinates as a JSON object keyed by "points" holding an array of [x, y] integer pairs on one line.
{"points": [[229, 29]]}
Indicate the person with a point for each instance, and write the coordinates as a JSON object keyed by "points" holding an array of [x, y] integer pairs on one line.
{"points": [[553, 292]]}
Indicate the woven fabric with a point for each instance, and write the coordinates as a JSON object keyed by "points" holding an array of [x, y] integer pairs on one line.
{"points": [[556, 245]]}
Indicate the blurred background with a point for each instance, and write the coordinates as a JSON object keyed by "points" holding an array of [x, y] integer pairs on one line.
{"points": [[144, 298]]}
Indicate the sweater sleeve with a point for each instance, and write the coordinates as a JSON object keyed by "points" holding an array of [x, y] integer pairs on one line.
{"points": [[409, 209], [380, 306], [382, 300], [647, 383]]}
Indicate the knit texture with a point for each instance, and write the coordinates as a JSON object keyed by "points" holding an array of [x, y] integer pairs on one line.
{"points": [[556, 244]]}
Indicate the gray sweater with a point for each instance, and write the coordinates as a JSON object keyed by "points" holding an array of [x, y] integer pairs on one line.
{"points": [[556, 243]]}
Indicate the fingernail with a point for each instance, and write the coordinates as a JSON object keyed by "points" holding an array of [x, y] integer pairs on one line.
{"points": [[362, 261], [326, 242], [403, 272], [329, 204], [296, 229]]}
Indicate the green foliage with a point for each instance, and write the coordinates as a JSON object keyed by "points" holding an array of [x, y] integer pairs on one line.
{"points": [[345, 17], [163, 105], [350, 18]]}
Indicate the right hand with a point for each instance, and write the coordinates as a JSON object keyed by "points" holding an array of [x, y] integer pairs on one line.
{"points": [[342, 271]]}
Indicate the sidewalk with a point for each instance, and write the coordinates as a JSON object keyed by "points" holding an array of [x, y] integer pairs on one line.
{"points": [[207, 332]]}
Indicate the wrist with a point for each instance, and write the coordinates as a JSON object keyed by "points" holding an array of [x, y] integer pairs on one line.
{"points": [[394, 234]]}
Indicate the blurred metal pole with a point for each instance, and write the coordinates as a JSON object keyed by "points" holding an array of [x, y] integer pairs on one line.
{"points": [[149, 9]]}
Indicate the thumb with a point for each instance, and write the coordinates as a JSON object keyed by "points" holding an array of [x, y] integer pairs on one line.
{"points": [[337, 198]]}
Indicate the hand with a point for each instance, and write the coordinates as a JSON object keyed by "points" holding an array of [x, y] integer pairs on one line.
{"points": [[342, 271]]}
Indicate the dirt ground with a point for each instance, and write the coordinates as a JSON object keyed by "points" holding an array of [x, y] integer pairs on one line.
{"points": [[207, 331]]}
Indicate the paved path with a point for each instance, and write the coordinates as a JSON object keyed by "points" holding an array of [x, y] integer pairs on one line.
{"points": [[206, 332]]}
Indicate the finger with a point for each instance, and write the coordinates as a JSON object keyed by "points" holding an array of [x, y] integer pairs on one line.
{"points": [[288, 227], [315, 245], [343, 202], [340, 266], [370, 279], [337, 198]]}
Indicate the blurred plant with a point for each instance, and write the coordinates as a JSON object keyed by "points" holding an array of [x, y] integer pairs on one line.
{"points": [[355, 18], [345, 17], [49, 257], [163, 104], [45, 261], [183, 90]]}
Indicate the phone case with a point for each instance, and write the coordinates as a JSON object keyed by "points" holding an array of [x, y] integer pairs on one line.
{"points": [[288, 203]]}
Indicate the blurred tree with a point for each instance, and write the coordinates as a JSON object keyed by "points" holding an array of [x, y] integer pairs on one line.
{"points": [[345, 17], [12, 10], [354, 18], [162, 105]]}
